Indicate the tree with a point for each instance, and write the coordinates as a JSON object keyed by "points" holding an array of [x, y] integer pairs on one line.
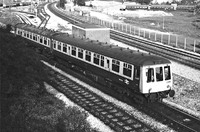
{"points": [[147, 2], [79, 2], [62, 3]]}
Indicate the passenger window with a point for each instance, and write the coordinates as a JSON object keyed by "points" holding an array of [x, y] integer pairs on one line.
{"points": [[41, 39], [96, 58], [34, 38], [115, 65], [159, 74], [59, 45], [167, 72], [45, 40], [127, 70], [88, 56], [150, 75], [65, 48], [54, 44], [27, 34], [24, 33], [73, 51], [30, 35], [80, 53]]}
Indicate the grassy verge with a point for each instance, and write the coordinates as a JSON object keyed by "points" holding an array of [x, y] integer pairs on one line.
{"points": [[182, 23], [25, 104]]}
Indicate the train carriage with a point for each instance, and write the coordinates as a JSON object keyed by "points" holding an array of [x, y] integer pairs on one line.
{"points": [[131, 73]]}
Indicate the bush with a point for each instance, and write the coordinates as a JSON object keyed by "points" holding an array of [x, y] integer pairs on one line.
{"points": [[25, 104]]}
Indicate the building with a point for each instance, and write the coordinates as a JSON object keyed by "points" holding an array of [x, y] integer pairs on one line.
{"points": [[92, 32]]}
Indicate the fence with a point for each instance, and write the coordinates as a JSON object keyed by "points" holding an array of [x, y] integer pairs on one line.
{"points": [[174, 40]]}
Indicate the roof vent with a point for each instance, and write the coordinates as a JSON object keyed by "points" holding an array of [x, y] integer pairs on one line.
{"points": [[97, 40], [121, 49], [149, 53], [138, 50]]}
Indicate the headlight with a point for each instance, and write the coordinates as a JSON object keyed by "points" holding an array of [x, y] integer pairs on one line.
{"points": [[168, 86]]}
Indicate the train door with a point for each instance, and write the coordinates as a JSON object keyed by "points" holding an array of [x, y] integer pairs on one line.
{"points": [[107, 64]]}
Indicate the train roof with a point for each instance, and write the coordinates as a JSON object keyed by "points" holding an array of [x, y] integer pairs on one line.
{"points": [[115, 52], [42, 31], [134, 5]]}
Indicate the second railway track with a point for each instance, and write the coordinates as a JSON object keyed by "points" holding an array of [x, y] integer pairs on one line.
{"points": [[187, 58], [179, 119]]}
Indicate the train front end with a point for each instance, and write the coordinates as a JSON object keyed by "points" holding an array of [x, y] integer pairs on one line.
{"points": [[156, 82]]}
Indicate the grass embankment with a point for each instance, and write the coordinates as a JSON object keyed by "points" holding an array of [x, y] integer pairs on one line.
{"points": [[25, 104], [182, 23]]}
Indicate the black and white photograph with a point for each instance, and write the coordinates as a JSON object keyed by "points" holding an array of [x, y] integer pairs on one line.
{"points": [[100, 65]]}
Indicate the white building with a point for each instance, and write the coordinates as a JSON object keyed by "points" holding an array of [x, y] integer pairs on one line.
{"points": [[161, 1]]}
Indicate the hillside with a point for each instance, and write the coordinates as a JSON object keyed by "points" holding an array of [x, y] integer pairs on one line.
{"points": [[26, 106]]}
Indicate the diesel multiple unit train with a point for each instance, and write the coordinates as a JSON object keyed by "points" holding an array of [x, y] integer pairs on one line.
{"points": [[140, 76]]}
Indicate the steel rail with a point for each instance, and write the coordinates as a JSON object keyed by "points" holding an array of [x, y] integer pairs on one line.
{"points": [[181, 120], [114, 117]]}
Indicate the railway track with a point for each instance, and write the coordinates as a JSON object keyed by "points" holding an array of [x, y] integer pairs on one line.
{"points": [[179, 120], [159, 49], [43, 15], [114, 117], [184, 57], [170, 116]]}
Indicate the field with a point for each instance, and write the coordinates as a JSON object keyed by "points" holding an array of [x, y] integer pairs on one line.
{"points": [[182, 23]]}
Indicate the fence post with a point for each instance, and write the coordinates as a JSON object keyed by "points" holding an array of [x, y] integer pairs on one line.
{"points": [[161, 38], [169, 39], [126, 28], [134, 30], [122, 27], [112, 25], [149, 35], [139, 32], [194, 45], [130, 29], [155, 36], [185, 43], [144, 33], [176, 41]]}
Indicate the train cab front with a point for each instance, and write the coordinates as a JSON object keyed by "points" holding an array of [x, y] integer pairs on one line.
{"points": [[157, 82]]}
